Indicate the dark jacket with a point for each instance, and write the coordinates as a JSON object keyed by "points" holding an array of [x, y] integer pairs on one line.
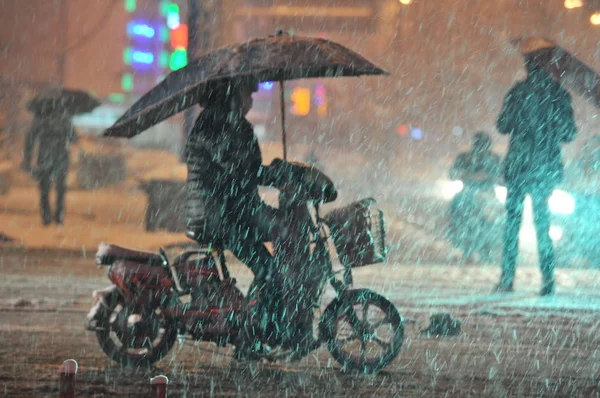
{"points": [[54, 134], [468, 163], [224, 167], [538, 116]]}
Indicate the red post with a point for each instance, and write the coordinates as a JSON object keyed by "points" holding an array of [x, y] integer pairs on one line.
{"points": [[67, 373], [159, 386]]}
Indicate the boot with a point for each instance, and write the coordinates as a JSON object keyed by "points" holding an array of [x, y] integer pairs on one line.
{"points": [[503, 288], [547, 289], [46, 214], [59, 217]]}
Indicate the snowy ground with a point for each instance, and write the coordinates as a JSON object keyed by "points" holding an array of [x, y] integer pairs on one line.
{"points": [[116, 214], [511, 345]]}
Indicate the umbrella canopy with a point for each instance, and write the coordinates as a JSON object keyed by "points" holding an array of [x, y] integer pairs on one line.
{"points": [[564, 67], [274, 58], [74, 102]]}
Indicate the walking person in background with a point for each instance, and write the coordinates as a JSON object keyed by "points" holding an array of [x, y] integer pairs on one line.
{"points": [[54, 132], [538, 117]]}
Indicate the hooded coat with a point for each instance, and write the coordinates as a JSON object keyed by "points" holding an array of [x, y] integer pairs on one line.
{"points": [[538, 116], [224, 170]]}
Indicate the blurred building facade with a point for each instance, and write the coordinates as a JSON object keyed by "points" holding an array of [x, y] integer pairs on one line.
{"points": [[116, 49], [450, 61]]}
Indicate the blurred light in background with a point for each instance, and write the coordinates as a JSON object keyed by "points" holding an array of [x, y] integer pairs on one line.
{"points": [[142, 57], [561, 202], [556, 233], [130, 5], [135, 28], [570, 4], [320, 100], [402, 130], [164, 59], [267, 86], [500, 192], [405, 2], [173, 21], [127, 82], [172, 11], [301, 101], [595, 18], [127, 56], [179, 37], [416, 134], [164, 34], [116, 97], [451, 188], [178, 59], [457, 131]]}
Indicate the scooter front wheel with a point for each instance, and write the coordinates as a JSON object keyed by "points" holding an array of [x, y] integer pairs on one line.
{"points": [[363, 331]]}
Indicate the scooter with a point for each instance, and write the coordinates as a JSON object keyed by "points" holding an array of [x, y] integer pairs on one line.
{"points": [[153, 299], [475, 220]]}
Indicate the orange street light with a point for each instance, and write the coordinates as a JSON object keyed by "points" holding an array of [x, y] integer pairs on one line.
{"points": [[570, 4]]}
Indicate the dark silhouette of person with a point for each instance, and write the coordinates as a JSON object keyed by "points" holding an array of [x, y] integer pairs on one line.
{"points": [[53, 132], [224, 208], [224, 172], [479, 169], [538, 117]]}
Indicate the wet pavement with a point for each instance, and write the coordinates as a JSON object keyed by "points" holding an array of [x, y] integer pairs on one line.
{"points": [[511, 345]]}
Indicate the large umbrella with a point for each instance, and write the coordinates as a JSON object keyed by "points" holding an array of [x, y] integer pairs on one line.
{"points": [[562, 66], [273, 58], [73, 102]]}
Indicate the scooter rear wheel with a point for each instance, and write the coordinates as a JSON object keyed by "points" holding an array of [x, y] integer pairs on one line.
{"points": [[363, 331], [129, 340]]}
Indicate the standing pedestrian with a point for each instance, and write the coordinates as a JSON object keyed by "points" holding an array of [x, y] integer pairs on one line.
{"points": [[53, 132], [538, 116]]}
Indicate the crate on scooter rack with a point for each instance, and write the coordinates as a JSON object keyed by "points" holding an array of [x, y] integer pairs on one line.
{"points": [[358, 233]]}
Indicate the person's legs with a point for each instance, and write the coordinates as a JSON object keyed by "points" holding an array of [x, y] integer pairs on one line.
{"points": [[61, 188], [245, 239], [284, 282], [461, 222], [258, 323], [541, 218], [514, 214], [44, 185]]}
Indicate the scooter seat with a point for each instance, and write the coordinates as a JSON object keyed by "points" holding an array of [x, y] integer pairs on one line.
{"points": [[108, 253]]}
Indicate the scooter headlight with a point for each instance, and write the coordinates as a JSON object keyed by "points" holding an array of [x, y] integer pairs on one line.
{"points": [[500, 193], [451, 188], [561, 202], [556, 233]]}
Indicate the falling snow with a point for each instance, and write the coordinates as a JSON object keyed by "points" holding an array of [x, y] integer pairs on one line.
{"points": [[300, 198]]}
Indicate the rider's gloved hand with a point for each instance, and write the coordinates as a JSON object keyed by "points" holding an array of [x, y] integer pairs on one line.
{"points": [[303, 176]]}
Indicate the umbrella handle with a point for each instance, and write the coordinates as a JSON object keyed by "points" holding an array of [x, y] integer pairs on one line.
{"points": [[282, 104]]}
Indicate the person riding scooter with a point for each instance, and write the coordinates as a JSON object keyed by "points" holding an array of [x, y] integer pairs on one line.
{"points": [[224, 172], [479, 169]]}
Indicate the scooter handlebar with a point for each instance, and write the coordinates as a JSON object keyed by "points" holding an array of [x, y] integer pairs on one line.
{"points": [[303, 181]]}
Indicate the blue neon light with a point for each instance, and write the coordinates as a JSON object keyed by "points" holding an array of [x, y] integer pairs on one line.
{"points": [[267, 86], [140, 29], [416, 134], [142, 57]]}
